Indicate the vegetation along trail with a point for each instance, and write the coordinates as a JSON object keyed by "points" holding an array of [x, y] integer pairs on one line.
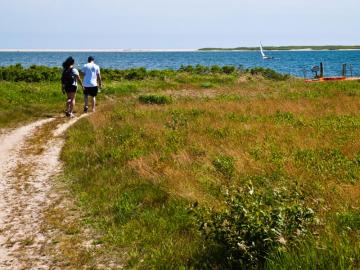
{"points": [[196, 168], [29, 161]]}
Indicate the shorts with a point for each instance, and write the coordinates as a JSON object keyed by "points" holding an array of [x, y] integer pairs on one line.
{"points": [[71, 89], [92, 91]]}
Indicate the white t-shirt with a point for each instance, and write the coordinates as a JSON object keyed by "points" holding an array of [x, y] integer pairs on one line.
{"points": [[75, 73], [91, 71]]}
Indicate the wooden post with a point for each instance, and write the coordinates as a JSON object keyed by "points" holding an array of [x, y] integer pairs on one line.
{"points": [[321, 70], [305, 73], [344, 70]]}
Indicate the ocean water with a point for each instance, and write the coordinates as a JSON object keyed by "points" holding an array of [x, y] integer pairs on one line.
{"points": [[297, 63]]}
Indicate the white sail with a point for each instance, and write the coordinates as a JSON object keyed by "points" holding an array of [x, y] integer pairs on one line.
{"points": [[264, 56], [262, 51]]}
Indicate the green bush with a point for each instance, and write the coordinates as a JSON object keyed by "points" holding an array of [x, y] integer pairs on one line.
{"points": [[349, 220], [228, 69], [269, 74], [155, 99], [207, 85], [215, 69], [136, 74], [16, 73], [225, 166], [42, 73], [253, 226]]}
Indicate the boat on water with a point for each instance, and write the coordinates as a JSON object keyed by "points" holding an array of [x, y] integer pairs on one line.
{"points": [[264, 56], [322, 78], [333, 79]]}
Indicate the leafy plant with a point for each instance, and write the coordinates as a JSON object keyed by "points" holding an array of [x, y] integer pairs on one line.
{"points": [[269, 74], [155, 99], [225, 166], [254, 225], [207, 85]]}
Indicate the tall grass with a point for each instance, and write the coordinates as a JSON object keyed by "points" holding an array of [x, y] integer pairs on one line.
{"points": [[21, 102], [138, 167]]}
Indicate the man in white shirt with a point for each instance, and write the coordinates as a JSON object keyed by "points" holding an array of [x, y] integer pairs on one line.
{"points": [[92, 82]]}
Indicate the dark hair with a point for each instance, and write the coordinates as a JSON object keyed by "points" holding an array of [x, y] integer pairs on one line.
{"points": [[90, 59], [68, 62]]}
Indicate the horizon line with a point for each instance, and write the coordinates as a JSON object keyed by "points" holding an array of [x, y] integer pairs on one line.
{"points": [[98, 50]]}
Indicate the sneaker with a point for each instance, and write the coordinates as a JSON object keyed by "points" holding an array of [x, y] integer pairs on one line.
{"points": [[72, 115], [86, 108], [67, 114]]}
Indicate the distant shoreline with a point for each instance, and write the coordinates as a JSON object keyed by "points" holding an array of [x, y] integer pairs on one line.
{"points": [[98, 50], [290, 48], [238, 49]]}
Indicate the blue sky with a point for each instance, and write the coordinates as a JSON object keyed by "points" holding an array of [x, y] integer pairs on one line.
{"points": [[110, 24]]}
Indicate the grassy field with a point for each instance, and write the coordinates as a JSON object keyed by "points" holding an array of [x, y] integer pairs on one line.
{"points": [[140, 164], [172, 171], [22, 102]]}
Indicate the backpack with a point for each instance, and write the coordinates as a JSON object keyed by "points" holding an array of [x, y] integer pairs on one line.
{"points": [[68, 77]]}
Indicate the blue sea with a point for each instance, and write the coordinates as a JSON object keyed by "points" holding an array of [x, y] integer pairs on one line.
{"points": [[297, 63]]}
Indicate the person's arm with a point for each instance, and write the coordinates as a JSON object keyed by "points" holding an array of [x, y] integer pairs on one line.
{"points": [[80, 81], [99, 80], [98, 75]]}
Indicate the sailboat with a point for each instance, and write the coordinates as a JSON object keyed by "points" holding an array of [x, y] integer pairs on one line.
{"points": [[264, 56]]}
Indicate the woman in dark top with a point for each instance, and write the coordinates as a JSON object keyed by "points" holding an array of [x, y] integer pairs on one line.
{"points": [[69, 80]]}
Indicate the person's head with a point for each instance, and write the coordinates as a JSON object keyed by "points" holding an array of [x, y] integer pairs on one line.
{"points": [[68, 62], [91, 59]]}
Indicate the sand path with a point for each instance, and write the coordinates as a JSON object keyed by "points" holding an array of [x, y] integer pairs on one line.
{"points": [[29, 160]]}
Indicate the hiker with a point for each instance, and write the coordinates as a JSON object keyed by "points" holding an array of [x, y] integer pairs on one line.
{"points": [[69, 80], [92, 82]]}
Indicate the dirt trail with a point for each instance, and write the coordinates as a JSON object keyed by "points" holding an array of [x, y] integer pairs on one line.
{"points": [[29, 160]]}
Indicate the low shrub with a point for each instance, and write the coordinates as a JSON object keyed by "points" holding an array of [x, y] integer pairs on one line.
{"points": [[155, 99], [225, 165], [17, 73], [269, 74], [43, 73], [253, 226], [207, 85], [228, 69], [135, 74], [349, 220]]}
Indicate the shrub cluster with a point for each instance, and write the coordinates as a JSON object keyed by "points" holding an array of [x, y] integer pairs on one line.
{"points": [[199, 69], [42, 73], [155, 99], [268, 74], [253, 226], [225, 166], [136, 74], [34, 73]]}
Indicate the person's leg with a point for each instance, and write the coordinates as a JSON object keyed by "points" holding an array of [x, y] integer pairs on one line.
{"points": [[71, 101], [68, 102], [86, 102], [86, 99], [93, 95], [93, 103]]}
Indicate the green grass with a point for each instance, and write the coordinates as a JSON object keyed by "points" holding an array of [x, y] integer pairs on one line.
{"points": [[22, 102], [337, 248], [136, 168], [155, 99]]}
